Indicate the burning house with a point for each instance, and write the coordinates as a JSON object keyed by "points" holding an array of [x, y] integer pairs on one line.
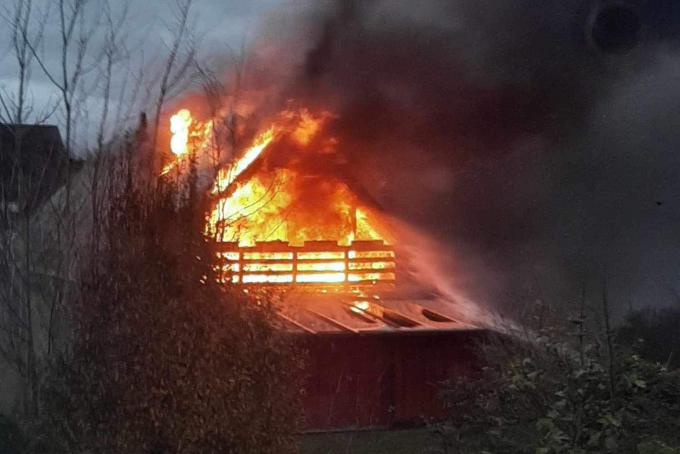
{"points": [[288, 220]]}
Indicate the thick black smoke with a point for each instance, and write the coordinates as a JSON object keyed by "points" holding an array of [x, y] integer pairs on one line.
{"points": [[539, 138]]}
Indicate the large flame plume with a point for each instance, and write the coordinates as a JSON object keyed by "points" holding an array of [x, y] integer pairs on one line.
{"points": [[179, 127], [188, 138], [287, 190]]}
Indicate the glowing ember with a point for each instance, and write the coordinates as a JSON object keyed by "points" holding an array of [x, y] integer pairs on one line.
{"points": [[179, 127]]}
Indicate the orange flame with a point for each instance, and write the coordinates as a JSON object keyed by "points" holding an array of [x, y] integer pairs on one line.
{"points": [[226, 177], [280, 204], [179, 127], [188, 136], [288, 205], [278, 263]]}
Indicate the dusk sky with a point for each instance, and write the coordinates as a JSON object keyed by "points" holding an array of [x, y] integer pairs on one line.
{"points": [[217, 24]]}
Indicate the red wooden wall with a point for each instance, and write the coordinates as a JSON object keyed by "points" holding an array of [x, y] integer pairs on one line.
{"points": [[382, 380]]}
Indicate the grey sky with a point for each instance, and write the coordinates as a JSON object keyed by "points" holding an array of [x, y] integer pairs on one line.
{"points": [[217, 23]]}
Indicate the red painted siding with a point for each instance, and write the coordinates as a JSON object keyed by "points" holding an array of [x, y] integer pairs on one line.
{"points": [[382, 380]]}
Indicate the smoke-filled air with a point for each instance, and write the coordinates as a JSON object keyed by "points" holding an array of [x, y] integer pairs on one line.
{"points": [[531, 143]]}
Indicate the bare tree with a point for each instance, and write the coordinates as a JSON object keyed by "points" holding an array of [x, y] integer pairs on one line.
{"points": [[178, 63], [222, 98], [114, 53], [17, 107], [62, 309], [35, 163], [39, 242], [17, 198]]}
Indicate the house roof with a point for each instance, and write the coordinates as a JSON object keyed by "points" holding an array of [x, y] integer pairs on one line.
{"points": [[372, 314], [408, 306], [33, 164]]}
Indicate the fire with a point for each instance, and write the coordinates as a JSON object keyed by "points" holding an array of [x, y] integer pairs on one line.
{"points": [[313, 263], [189, 136], [307, 126], [270, 206], [285, 204], [179, 127], [226, 177]]}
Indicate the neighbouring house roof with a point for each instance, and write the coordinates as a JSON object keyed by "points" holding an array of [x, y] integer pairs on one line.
{"points": [[34, 164]]}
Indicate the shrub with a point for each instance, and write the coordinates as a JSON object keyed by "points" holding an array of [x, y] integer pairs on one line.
{"points": [[548, 394], [653, 334], [164, 358]]}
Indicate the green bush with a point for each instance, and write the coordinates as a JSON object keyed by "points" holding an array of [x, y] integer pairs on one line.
{"points": [[549, 394]]}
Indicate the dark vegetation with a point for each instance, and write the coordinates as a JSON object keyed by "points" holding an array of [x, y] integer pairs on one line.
{"points": [[166, 358], [403, 441], [567, 387], [160, 356], [654, 334], [12, 439]]}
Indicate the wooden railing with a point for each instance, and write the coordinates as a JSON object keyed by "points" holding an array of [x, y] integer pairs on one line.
{"points": [[314, 263]]}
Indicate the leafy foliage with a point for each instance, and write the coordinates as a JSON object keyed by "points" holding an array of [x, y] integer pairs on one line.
{"points": [[164, 358], [654, 335], [556, 393]]}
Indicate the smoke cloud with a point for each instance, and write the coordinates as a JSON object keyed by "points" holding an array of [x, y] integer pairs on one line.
{"points": [[538, 140]]}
